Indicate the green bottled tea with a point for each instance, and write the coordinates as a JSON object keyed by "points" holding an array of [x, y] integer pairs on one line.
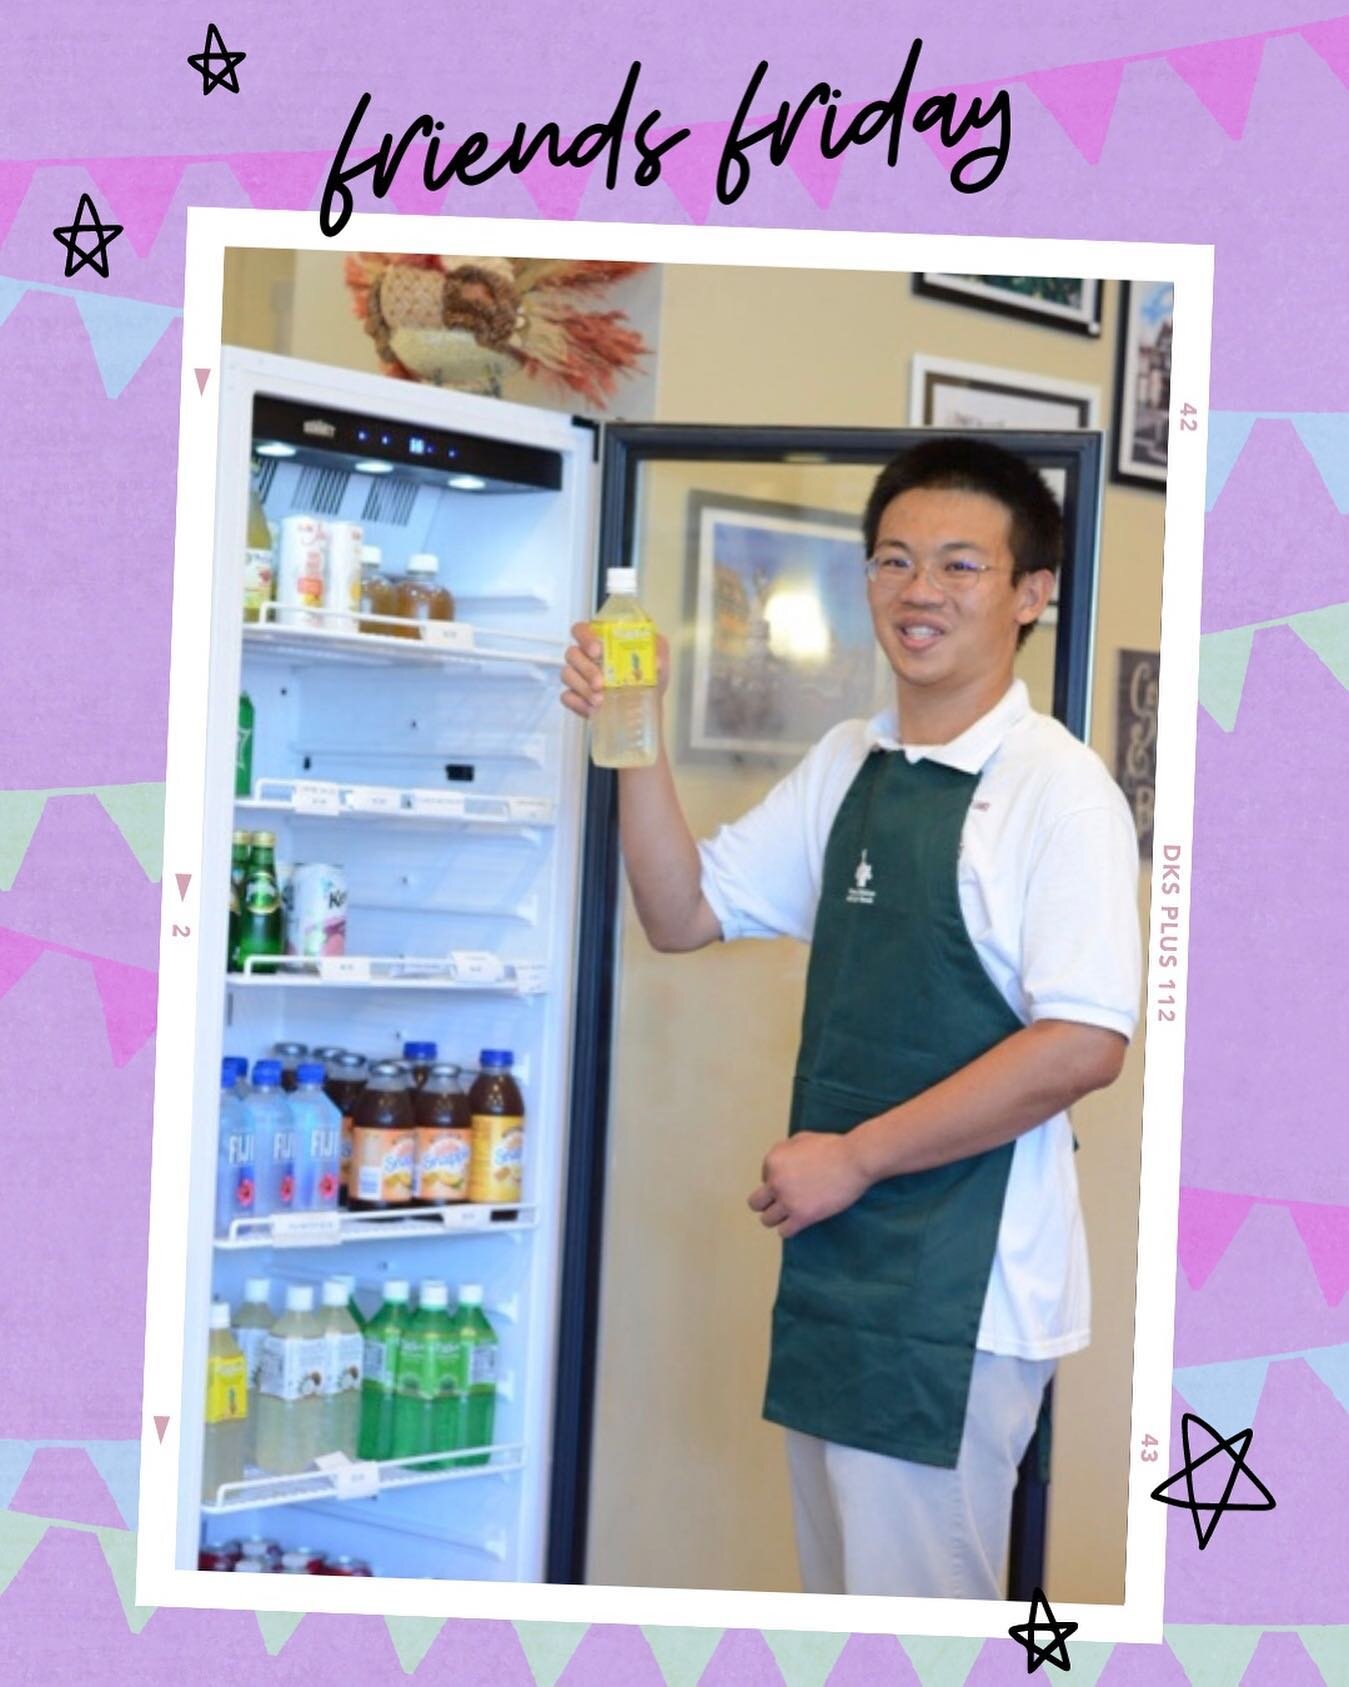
{"points": [[475, 1375], [425, 1406], [383, 1339]]}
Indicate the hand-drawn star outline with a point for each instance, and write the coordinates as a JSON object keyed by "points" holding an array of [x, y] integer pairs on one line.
{"points": [[1204, 1530], [1024, 1634], [69, 238], [215, 49]]}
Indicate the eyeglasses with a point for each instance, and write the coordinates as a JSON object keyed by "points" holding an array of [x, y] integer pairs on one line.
{"points": [[956, 574]]}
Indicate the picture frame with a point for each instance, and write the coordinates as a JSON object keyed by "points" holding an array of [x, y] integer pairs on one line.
{"points": [[781, 643], [1142, 384], [1068, 303], [948, 393]]}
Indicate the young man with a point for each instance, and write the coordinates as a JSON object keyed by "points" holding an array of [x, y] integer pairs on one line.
{"points": [[966, 874]]}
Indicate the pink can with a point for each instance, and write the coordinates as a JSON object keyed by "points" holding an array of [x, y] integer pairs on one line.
{"points": [[316, 910]]}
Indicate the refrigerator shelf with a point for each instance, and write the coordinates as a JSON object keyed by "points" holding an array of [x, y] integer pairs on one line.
{"points": [[361, 1480], [327, 1230], [431, 642], [327, 799], [463, 969]]}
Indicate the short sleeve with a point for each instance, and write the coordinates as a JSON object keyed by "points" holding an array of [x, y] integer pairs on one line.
{"points": [[1081, 941], [761, 873]]}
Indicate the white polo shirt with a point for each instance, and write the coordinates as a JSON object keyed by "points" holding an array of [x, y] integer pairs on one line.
{"points": [[1048, 885]]}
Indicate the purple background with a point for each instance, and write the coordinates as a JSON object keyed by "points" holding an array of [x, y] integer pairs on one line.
{"points": [[1243, 145]]}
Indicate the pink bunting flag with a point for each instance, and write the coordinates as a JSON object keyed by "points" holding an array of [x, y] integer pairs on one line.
{"points": [[1325, 1235], [1081, 99], [689, 169], [17, 954], [14, 182], [1331, 42], [1222, 74], [280, 181], [128, 997], [1209, 1220], [960, 103], [816, 173], [409, 192], [137, 193], [557, 189]]}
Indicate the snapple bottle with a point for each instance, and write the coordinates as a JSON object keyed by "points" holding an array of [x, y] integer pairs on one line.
{"points": [[498, 1112], [383, 1142], [444, 1139]]}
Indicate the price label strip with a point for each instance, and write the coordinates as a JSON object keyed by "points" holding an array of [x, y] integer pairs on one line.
{"points": [[344, 969], [476, 966], [306, 1230], [448, 635], [536, 811], [374, 799], [442, 805], [315, 796], [353, 1480]]}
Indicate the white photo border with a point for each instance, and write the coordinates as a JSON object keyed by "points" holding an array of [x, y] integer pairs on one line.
{"points": [[210, 232]]}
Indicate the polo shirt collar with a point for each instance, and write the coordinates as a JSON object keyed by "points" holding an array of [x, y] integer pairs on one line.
{"points": [[972, 749]]}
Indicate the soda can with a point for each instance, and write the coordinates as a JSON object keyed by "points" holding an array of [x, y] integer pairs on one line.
{"points": [[216, 1558], [314, 1560], [342, 589], [297, 1563], [316, 917], [256, 1549], [345, 1566], [300, 572]]}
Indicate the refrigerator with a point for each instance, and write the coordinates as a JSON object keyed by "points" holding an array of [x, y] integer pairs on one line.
{"points": [[480, 854]]}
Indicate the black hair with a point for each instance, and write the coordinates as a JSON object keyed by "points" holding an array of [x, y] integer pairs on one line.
{"points": [[959, 463]]}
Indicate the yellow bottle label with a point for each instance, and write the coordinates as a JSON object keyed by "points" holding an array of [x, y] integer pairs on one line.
{"points": [[226, 1388], [629, 652], [497, 1158]]}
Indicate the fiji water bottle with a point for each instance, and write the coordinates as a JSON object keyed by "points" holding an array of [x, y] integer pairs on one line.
{"points": [[318, 1141], [274, 1135], [236, 1171]]}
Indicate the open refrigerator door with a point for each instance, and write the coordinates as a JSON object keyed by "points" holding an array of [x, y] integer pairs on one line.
{"points": [[402, 747]]}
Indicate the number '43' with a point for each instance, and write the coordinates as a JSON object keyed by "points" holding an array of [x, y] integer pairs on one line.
{"points": [[1149, 1453]]}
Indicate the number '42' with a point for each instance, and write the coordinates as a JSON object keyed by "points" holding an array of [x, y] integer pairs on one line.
{"points": [[1149, 1453], [1189, 418]]}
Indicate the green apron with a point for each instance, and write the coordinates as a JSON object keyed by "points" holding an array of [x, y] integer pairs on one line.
{"points": [[878, 1308]]}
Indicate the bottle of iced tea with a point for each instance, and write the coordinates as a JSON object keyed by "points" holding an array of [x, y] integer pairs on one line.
{"points": [[421, 597], [383, 1142], [498, 1112], [444, 1139], [377, 594]]}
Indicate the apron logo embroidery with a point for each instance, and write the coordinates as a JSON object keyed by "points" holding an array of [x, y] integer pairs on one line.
{"points": [[860, 892]]}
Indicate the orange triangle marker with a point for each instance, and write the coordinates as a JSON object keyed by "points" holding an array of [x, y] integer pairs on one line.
{"points": [[161, 1424]]}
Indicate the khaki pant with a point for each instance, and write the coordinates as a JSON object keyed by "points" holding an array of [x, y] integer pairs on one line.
{"points": [[870, 1524]]}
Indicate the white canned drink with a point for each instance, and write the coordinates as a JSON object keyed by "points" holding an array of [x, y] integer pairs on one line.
{"points": [[342, 591], [300, 572], [316, 914]]}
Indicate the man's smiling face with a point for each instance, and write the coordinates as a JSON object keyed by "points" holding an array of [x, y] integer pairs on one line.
{"points": [[953, 622]]}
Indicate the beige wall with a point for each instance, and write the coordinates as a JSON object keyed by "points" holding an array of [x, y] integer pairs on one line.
{"points": [[689, 1486]]}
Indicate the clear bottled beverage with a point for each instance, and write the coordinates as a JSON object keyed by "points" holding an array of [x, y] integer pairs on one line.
{"points": [[318, 1142], [339, 1430], [236, 1166], [378, 594], [238, 1069], [274, 1141], [421, 597], [625, 729], [348, 1282], [290, 1384], [259, 580], [251, 1323], [425, 1412], [383, 1338], [226, 1407], [476, 1364]]}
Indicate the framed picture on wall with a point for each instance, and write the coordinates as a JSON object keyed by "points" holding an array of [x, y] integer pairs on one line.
{"points": [[1142, 383], [782, 641], [944, 393], [1054, 301]]}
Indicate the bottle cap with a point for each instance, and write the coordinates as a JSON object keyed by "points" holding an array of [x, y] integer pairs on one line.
{"points": [[442, 1078], [349, 1062], [299, 1297], [228, 1076], [235, 1065], [371, 556], [335, 1293], [423, 563], [220, 1315], [397, 1290], [387, 1075], [621, 582], [329, 1054], [471, 1294], [419, 1051], [288, 1051], [267, 1074], [242, 839], [310, 1072], [434, 1294], [496, 1058], [258, 1289], [264, 840]]}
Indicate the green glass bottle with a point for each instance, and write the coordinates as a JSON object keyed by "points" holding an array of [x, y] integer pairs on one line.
{"points": [[243, 842], [424, 1408], [383, 1338], [243, 748], [475, 1375], [261, 931]]}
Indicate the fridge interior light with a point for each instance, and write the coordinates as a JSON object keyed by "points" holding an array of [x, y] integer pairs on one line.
{"points": [[274, 448], [368, 465], [466, 483]]}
